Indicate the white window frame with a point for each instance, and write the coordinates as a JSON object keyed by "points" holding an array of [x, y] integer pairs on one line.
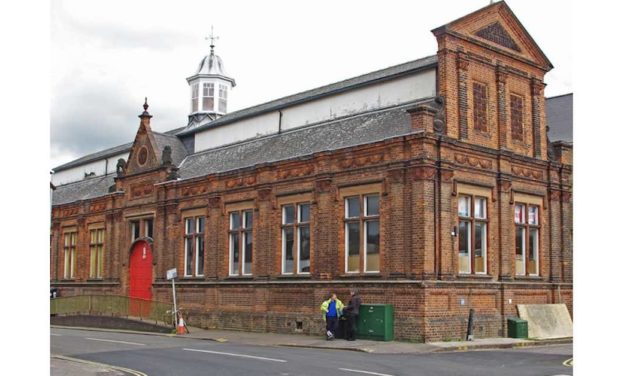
{"points": [[297, 235], [371, 218], [195, 95], [212, 86], [241, 234], [199, 237]]}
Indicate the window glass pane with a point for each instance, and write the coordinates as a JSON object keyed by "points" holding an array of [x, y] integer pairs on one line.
{"points": [[235, 221], [352, 242], [135, 230], [463, 206], [288, 214], [534, 243], [480, 207], [207, 103], [200, 255], [304, 212], [248, 217], [100, 271], [200, 224], [372, 205], [464, 247], [352, 207], [303, 236], [101, 236], [519, 213], [93, 254], [520, 250], [235, 253], [189, 225], [189, 255], [480, 247], [148, 228], [288, 250], [66, 264], [372, 246], [248, 252], [533, 215]]}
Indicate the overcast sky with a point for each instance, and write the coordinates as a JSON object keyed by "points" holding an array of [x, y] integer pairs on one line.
{"points": [[108, 55]]}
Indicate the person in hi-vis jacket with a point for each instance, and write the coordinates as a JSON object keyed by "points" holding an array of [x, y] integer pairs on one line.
{"points": [[332, 309]]}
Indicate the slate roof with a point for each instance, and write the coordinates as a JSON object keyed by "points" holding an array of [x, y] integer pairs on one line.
{"points": [[559, 117], [110, 152], [351, 83], [82, 190], [178, 150], [331, 135]]}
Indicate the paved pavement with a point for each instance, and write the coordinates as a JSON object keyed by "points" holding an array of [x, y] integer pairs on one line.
{"points": [[240, 353], [67, 366]]}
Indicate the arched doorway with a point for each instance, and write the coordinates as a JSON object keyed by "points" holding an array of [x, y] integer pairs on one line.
{"points": [[140, 278]]}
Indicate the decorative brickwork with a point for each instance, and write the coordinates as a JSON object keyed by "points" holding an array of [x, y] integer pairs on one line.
{"points": [[480, 106], [497, 34]]}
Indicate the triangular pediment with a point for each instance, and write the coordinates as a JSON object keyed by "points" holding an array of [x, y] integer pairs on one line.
{"points": [[144, 153], [497, 28]]}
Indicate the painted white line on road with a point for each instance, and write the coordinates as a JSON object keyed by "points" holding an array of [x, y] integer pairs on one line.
{"points": [[109, 366], [239, 355], [366, 372], [114, 341], [57, 335]]}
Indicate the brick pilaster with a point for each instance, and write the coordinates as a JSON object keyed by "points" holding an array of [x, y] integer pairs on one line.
{"points": [[263, 255], [501, 78], [423, 221], [397, 216], [536, 91], [555, 234], [326, 249], [214, 250], [462, 94], [446, 223], [506, 230]]}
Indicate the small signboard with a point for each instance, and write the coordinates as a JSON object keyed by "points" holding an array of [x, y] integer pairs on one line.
{"points": [[171, 274]]}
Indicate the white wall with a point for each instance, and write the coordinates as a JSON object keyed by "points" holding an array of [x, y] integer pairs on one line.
{"points": [[248, 128], [388, 93], [78, 173]]}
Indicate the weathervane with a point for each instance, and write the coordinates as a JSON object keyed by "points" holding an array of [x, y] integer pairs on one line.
{"points": [[212, 38]]}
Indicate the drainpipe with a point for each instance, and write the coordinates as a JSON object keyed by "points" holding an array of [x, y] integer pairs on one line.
{"points": [[280, 120], [436, 212]]}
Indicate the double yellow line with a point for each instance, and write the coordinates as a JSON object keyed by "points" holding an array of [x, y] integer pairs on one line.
{"points": [[127, 370]]}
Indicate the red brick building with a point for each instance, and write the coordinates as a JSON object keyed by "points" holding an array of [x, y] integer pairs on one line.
{"points": [[431, 185]]}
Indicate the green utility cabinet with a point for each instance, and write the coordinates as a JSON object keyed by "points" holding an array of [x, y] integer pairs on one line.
{"points": [[376, 322], [517, 328]]}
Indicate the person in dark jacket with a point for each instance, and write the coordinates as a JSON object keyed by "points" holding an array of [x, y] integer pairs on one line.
{"points": [[352, 314]]}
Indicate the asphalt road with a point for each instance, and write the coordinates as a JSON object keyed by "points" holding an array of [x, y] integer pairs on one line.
{"points": [[160, 356]]}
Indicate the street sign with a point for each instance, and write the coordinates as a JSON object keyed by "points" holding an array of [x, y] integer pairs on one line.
{"points": [[171, 274]]}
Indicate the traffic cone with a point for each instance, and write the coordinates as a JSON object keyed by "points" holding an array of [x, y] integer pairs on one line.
{"points": [[180, 328]]}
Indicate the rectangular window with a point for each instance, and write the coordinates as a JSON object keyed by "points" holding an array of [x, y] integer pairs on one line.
{"points": [[296, 237], [473, 234], [480, 106], [69, 253], [194, 97], [207, 96], [361, 231], [516, 117], [96, 253], [241, 242], [527, 243], [194, 246], [222, 103]]}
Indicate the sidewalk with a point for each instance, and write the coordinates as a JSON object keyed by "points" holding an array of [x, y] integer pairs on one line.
{"points": [[65, 366], [379, 347]]}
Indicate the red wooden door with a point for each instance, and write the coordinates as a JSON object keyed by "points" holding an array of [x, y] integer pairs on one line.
{"points": [[140, 279]]}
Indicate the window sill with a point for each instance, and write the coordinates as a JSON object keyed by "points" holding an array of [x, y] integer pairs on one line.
{"points": [[374, 275], [190, 278], [528, 278], [95, 279], [240, 277], [474, 276], [294, 276]]}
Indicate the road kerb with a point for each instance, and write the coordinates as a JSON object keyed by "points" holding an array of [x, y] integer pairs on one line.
{"points": [[109, 366]]}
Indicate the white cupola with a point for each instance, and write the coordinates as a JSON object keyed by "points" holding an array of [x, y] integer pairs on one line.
{"points": [[209, 89]]}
